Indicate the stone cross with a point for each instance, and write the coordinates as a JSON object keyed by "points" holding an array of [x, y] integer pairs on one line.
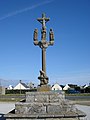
{"points": [[43, 44]]}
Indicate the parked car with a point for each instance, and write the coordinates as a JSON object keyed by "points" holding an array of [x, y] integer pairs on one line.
{"points": [[73, 91]]}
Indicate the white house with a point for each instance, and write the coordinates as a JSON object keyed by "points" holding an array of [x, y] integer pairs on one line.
{"points": [[85, 86], [21, 86], [56, 87], [10, 87], [66, 87]]}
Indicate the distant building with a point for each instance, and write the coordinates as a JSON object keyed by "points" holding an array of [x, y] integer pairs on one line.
{"points": [[56, 87], [10, 87], [66, 87], [21, 86], [85, 86], [72, 86]]}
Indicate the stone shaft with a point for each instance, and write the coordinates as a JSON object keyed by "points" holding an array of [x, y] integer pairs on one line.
{"points": [[44, 60]]}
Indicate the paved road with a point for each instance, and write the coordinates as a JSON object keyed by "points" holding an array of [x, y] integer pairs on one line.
{"points": [[78, 97]]}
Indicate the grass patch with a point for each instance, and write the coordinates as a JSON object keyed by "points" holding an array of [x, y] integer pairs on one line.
{"points": [[10, 100]]}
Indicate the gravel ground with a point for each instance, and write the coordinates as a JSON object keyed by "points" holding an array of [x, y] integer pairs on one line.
{"points": [[6, 107], [85, 109]]}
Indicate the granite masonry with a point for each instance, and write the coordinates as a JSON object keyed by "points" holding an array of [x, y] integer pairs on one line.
{"points": [[45, 106]]}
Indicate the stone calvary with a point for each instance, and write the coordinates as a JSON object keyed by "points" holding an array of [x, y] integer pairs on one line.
{"points": [[43, 44], [44, 104]]}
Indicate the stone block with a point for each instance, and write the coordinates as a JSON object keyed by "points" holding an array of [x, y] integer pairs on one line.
{"points": [[54, 109], [30, 108], [30, 97], [36, 97], [43, 96]]}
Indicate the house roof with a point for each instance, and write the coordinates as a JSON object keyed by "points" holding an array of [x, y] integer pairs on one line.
{"points": [[66, 87], [56, 87], [24, 85], [21, 85], [72, 85]]}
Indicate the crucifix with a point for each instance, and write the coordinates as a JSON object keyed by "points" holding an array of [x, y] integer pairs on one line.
{"points": [[43, 44]]}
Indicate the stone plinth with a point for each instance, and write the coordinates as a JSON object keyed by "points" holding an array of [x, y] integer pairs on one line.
{"points": [[44, 88], [45, 106], [44, 97]]}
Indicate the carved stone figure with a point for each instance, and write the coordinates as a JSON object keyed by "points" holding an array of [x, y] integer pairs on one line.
{"points": [[35, 36], [43, 32], [43, 78], [42, 74], [51, 35]]}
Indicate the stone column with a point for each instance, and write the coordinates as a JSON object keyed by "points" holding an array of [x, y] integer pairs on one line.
{"points": [[44, 60]]}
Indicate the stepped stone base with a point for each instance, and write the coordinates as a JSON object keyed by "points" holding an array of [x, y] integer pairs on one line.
{"points": [[45, 106]]}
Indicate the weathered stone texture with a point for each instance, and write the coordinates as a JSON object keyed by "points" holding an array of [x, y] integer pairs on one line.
{"points": [[45, 106], [30, 108], [44, 96], [49, 119]]}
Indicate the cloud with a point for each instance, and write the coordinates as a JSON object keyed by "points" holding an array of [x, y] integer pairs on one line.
{"points": [[24, 10]]}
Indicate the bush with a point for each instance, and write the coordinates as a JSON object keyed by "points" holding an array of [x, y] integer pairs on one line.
{"points": [[87, 89], [19, 91]]}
